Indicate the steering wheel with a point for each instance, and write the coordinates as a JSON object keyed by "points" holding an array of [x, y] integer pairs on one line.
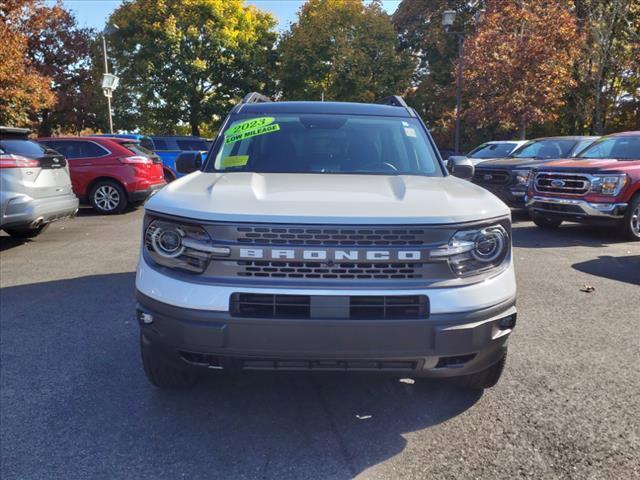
{"points": [[379, 166]]}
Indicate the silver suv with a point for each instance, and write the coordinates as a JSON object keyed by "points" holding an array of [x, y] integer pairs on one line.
{"points": [[325, 236], [35, 187]]}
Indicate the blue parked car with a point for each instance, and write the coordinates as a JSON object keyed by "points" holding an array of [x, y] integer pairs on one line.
{"points": [[168, 148]]}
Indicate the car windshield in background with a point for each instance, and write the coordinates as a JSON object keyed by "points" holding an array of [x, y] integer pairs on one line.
{"points": [[621, 148], [295, 143], [28, 148], [492, 150], [553, 148], [192, 144]]}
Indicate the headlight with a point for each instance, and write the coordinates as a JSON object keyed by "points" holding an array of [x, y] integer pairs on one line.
{"points": [[608, 184], [522, 176], [181, 246], [473, 251]]}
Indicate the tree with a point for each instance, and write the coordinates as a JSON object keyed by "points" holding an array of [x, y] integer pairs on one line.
{"points": [[518, 64], [606, 71], [419, 27], [187, 61], [342, 50], [22, 88], [61, 50]]}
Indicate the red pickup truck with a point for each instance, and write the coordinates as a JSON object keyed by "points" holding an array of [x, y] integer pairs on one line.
{"points": [[601, 186]]}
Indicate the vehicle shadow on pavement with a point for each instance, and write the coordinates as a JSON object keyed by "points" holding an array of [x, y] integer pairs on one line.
{"points": [[623, 269], [7, 242], [567, 235], [75, 398]]}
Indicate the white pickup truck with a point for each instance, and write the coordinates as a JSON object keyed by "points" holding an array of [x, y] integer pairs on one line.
{"points": [[325, 236]]}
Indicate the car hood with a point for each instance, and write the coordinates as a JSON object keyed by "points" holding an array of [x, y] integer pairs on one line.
{"points": [[324, 198], [593, 165], [513, 163]]}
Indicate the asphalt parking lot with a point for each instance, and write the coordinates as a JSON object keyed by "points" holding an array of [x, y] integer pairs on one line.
{"points": [[75, 402]]}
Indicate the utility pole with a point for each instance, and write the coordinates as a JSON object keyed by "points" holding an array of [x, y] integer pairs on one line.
{"points": [[107, 93]]}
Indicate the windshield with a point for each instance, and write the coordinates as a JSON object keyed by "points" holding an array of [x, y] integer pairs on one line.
{"points": [[298, 143], [28, 148], [621, 148], [492, 150], [552, 148]]}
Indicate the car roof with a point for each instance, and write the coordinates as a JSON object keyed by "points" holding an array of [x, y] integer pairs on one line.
{"points": [[15, 130], [336, 108], [89, 138], [632, 133], [568, 137], [130, 136], [186, 137]]}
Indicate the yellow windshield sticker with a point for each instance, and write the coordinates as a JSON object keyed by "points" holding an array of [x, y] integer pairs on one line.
{"points": [[236, 137], [235, 161], [248, 125]]}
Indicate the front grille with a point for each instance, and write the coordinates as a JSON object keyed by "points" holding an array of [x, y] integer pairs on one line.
{"points": [[337, 271], [330, 236], [563, 183], [491, 177], [369, 307]]}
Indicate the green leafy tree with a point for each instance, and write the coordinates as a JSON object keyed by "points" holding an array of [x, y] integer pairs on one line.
{"points": [[342, 50], [606, 72], [187, 61]]}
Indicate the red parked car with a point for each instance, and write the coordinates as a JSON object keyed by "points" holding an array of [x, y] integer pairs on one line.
{"points": [[109, 173]]}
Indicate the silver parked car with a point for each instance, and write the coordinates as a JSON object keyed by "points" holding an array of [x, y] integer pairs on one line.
{"points": [[35, 186]]}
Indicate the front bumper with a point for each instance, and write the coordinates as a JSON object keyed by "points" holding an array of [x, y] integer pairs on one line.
{"points": [[24, 211], [442, 345], [575, 209], [464, 333], [512, 195]]}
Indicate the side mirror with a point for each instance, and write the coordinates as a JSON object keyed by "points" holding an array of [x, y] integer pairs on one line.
{"points": [[461, 167], [188, 162]]}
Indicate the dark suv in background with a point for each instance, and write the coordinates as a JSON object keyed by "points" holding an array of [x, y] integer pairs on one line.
{"points": [[508, 178]]}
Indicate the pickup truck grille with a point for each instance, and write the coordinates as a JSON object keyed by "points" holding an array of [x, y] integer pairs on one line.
{"points": [[486, 176], [337, 271], [330, 236], [563, 183]]}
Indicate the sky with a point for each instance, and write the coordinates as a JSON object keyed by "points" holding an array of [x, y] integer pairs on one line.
{"points": [[94, 13]]}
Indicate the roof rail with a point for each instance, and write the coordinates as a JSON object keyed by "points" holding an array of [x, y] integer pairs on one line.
{"points": [[255, 97], [394, 101]]}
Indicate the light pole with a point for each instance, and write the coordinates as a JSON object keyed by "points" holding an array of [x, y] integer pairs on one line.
{"points": [[448, 18], [109, 81]]}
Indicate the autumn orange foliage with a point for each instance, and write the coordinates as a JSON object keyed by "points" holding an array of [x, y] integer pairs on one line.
{"points": [[22, 88], [518, 64]]}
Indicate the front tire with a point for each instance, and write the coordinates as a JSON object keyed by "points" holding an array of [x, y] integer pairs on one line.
{"points": [[484, 379], [26, 232], [548, 223], [108, 197], [160, 372], [630, 227]]}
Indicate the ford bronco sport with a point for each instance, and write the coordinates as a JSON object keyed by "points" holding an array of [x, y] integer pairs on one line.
{"points": [[325, 236]]}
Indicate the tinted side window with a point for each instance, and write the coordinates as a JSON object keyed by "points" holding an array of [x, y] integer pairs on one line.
{"points": [[77, 148], [160, 144], [147, 143], [190, 144]]}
